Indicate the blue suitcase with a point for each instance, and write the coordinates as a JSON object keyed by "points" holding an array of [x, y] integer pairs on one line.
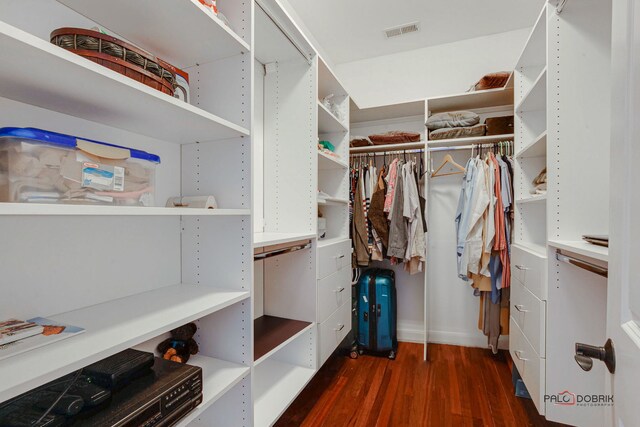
{"points": [[377, 312]]}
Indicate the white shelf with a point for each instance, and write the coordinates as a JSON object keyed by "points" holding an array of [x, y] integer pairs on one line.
{"points": [[218, 377], [268, 239], [501, 97], [277, 384], [333, 201], [536, 148], [536, 98], [326, 162], [536, 248], [84, 210], [532, 199], [582, 248], [158, 26], [457, 142], [263, 359], [50, 77], [111, 327], [327, 122], [332, 241]]}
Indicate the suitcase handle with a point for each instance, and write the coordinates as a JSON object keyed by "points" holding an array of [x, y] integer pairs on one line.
{"points": [[340, 289], [379, 310], [339, 328]]}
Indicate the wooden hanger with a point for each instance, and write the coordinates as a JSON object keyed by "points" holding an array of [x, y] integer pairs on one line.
{"points": [[448, 159]]}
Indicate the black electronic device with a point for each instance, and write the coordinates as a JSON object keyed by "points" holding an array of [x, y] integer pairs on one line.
{"points": [[91, 394], [161, 398], [117, 370], [67, 405], [19, 416]]}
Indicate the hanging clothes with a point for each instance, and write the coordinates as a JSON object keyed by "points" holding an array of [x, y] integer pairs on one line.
{"points": [[416, 243], [484, 223], [377, 217], [359, 233]]}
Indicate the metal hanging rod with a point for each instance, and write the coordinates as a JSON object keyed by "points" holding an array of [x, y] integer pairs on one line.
{"points": [[560, 7], [373, 149], [278, 252], [468, 147], [600, 271], [382, 153]]}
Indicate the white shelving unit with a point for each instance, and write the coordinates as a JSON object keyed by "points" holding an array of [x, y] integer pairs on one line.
{"points": [[333, 315], [128, 275], [554, 119]]}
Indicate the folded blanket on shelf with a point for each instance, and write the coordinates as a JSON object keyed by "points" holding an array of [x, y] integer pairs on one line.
{"points": [[459, 132], [452, 119], [394, 137]]}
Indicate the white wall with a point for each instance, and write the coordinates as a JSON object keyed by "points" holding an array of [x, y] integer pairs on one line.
{"points": [[407, 76], [432, 71]]}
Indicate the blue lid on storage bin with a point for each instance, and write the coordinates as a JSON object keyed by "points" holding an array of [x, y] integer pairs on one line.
{"points": [[68, 141]]}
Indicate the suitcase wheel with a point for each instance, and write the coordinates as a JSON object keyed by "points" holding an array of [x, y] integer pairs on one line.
{"points": [[353, 354], [392, 355], [360, 352]]}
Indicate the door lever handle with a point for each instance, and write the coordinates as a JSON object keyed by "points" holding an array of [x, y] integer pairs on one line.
{"points": [[585, 354]]}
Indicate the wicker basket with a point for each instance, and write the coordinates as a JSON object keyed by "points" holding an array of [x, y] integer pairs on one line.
{"points": [[118, 56]]}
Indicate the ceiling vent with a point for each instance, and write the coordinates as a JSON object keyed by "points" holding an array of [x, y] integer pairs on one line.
{"points": [[402, 30]]}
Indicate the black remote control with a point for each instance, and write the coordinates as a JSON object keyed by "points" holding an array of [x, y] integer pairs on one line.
{"points": [[91, 394]]}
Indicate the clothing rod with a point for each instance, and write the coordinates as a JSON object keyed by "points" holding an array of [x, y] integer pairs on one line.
{"points": [[284, 33], [429, 149], [278, 252], [601, 271], [467, 147], [561, 7], [382, 153]]}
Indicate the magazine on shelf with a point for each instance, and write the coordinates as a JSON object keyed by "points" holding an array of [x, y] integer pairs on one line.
{"points": [[20, 336]]}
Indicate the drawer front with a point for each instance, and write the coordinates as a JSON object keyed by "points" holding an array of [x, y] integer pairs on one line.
{"points": [[333, 330], [334, 257], [333, 292], [529, 364], [530, 314], [530, 269]]}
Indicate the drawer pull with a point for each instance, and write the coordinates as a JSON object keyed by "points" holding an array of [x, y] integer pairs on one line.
{"points": [[340, 289], [339, 328], [517, 353], [522, 267], [339, 256], [520, 308]]}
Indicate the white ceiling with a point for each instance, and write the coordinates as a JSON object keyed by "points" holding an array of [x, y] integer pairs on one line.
{"points": [[349, 30]]}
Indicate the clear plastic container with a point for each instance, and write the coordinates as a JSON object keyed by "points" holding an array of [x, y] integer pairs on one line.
{"points": [[37, 166]]}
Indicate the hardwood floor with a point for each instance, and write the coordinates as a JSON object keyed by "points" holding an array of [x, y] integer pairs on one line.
{"points": [[459, 386]]}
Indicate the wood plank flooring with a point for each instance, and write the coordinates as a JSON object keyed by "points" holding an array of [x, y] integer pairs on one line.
{"points": [[459, 386]]}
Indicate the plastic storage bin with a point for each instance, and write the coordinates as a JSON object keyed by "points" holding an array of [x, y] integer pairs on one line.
{"points": [[37, 166]]}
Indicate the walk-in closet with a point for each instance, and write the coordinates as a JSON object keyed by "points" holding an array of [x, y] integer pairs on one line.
{"points": [[285, 213]]}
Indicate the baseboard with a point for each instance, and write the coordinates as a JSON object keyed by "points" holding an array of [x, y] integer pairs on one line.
{"points": [[407, 333], [410, 335], [465, 339]]}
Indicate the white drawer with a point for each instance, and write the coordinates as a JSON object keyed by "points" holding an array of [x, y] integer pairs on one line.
{"points": [[530, 269], [333, 330], [530, 314], [333, 291], [530, 366], [332, 258]]}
